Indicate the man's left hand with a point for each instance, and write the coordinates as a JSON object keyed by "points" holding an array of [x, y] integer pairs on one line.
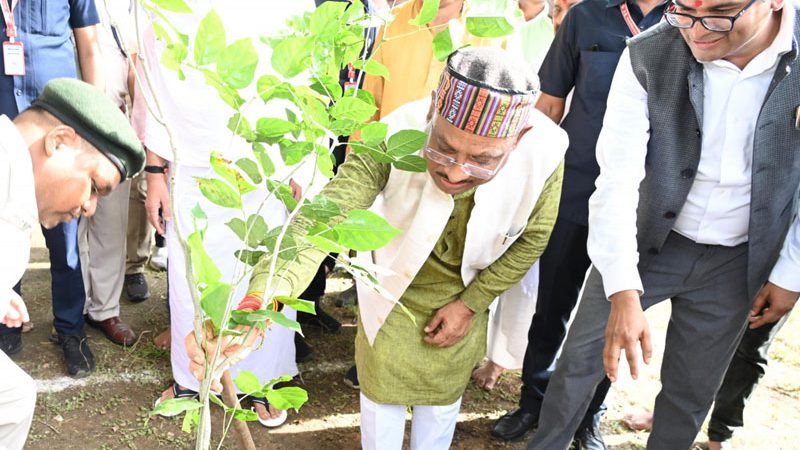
{"points": [[772, 303], [449, 325]]}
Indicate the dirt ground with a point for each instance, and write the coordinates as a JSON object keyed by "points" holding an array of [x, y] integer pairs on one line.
{"points": [[109, 409]]}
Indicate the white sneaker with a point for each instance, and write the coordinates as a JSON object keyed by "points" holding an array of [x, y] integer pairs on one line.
{"points": [[158, 260]]}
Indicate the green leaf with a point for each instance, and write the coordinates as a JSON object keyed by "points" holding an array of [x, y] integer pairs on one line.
{"points": [[245, 415], [276, 317], [489, 27], [405, 142], [325, 164], [283, 192], [223, 168], [376, 153], [374, 133], [236, 64], [172, 57], [325, 19], [258, 230], [178, 6], [297, 304], [209, 42], [270, 87], [287, 397], [267, 166], [292, 56], [251, 169], [372, 67], [364, 231], [239, 125], [321, 209], [237, 226], [280, 379], [426, 15], [219, 193], [204, 268], [344, 127], [191, 420], [353, 109], [175, 406], [270, 127], [214, 301], [198, 213], [249, 257], [328, 86], [324, 238], [443, 45], [226, 93], [411, 163], [247, 382], [294, 152]]}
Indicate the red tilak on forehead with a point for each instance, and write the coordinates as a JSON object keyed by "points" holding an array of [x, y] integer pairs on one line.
{"points": [[698, 3]]}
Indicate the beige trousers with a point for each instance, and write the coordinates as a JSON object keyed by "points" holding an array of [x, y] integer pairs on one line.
{"points": [[140, 232], [101, 240], [17, 401]]}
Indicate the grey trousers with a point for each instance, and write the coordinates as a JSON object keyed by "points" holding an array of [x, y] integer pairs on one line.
{"points": [[140, 232], [101, 240], [707, 288]]}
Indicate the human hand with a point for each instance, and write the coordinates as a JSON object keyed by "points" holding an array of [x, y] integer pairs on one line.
{"points": [[297, 190], [772, 303], [158, 198], [13, 312], [201, 353], [626, 327], [449, 325]]}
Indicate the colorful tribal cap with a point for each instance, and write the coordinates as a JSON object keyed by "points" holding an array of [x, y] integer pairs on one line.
{"points": [[484, 92]]}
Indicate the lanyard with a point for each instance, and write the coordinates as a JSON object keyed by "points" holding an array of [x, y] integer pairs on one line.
{"points": [[626, 14], [8, 15]]}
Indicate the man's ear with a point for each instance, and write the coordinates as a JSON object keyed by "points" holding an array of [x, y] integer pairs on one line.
{"points": [[432, 107], [59, 135]]}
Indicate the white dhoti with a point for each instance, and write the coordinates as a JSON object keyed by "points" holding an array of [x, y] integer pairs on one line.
{"points": [[17, 401], [277, 355], [510, 319]]}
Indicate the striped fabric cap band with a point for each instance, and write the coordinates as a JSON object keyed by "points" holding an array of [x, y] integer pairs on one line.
{"points": [[481, 110]]}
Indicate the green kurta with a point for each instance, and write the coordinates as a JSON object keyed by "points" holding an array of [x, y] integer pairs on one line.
{"points": [[401, 368]]}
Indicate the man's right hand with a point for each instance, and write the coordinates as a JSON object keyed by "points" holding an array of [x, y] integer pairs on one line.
{"points": [[627, 326], [158, 198]]}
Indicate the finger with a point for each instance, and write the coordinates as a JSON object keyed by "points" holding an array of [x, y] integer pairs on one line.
{"points": [[632, 355], [769, 316], [760, 303], [434, 323], [166, 208], [155, 221], [647, 346], [611, 359], [436, 338]]}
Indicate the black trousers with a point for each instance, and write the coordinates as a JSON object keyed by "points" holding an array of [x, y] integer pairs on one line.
{"points": [[562, 270], [745, 370]]}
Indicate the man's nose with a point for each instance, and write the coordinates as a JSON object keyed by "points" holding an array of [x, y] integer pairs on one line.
{"points": [[90, 206], [455, 173]]}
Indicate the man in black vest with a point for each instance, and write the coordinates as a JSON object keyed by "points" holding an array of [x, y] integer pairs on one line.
{"points": [[697, 202]]}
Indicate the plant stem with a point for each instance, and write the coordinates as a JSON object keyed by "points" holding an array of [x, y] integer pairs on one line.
{"points": [[229, 397]]}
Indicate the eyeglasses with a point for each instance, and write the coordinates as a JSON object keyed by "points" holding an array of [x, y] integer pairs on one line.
{"points": [[722, 24], [470, 169]]}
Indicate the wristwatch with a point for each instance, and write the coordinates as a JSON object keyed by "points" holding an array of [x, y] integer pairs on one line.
{"points": [[155, 169]]}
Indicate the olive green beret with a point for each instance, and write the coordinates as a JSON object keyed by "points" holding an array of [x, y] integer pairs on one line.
{"points": [[96, 119]]}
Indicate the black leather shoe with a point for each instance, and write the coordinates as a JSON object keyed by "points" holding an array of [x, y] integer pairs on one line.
{"points": [[588, 439], [77, 355], [11, 343], [514, 425]]}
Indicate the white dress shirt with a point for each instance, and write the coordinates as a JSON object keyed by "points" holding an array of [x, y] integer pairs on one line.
{"points": [[18, 211], [717, 209]]}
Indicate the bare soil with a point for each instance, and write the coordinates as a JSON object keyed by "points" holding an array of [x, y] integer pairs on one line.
{"points": [[109, 409]]}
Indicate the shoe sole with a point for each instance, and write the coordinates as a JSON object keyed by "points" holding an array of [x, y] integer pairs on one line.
{"points": [[351, 384]]}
